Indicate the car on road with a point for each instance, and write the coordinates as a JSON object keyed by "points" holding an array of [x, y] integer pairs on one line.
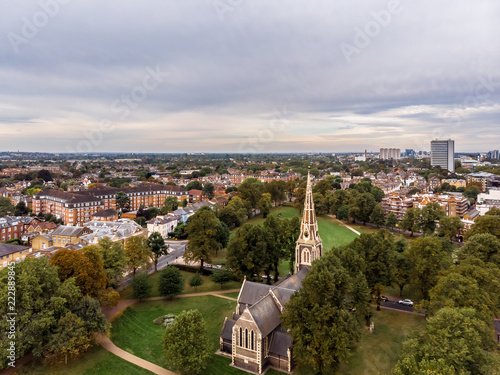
{"points": [[406, 302], [384, 298]]}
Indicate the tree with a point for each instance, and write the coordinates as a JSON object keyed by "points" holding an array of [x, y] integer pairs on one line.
{"points": [[246, 252], [184, 202], [85, 267], [322, 187], [427, 258], [472, 192], [209, 190], [483, 246], [196, 281], [250, 191], [21, 209], [454, 341], [484, 224], [343, 212], [114, 260], [265, 204], [194, 185], [318, 317], [430, 216], [412, 220], [300, 197], [290, 229], [222, 276], [122, 200], [391, 221], [186, 343], [171, 282], [377, 216], [277, 190], [137, 252], [109, 298], [158, 248], [222, 236], [494, 211], [44, 175], [141, 286], [170, 204], [362, 207], [449, 226], [6, 206], [377, 193], [202, 230], [339, 199], [234, 214], [401, 265]]}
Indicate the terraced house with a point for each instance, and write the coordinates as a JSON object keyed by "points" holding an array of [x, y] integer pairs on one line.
{"points": [[76, 208]]}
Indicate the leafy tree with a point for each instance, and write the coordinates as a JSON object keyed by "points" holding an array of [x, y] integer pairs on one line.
{"points": [[290, 229], [171, 282], [484, 224], [21, 209], [412, 220], [109, 298], [184, 202], [430, 216], [427, 258], [318, 317], [377, 193], [180, 231], [209, 190], [265, 204], [234, 214], [186, 344], [401, 266], [122, 200], [222, 235], [170, 204], [86, 267], [250, 191], [196, 281], [391, 220], [137, 252], [246, 252], [362, 207], [343, 212], [277, 190], [41, 300], [114, 260], [454, 341], [158, 248], [6, 206], [230, 189], [377, 216], [44, 175], [483, 246], [222, 276], [494, 211], [196, 185], [202, 230], [322, 187], [141, 286], [472, 192], [300, 197], [449, 226], [339, 199]]}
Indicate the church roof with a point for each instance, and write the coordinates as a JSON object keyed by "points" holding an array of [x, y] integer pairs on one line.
{"points": [[280, 343], [251, 292], [266, 315], [294, 282], [283, 295], [227, 329]]}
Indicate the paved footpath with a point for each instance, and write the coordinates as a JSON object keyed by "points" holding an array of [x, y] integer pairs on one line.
{"points": [[345, 225], [110, 314]]}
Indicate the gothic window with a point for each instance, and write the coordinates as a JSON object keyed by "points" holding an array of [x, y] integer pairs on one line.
{"points": [[306, 257], [251, 340], [246, 338], [241, 337]]}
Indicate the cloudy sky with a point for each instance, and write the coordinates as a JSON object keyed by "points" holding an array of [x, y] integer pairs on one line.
{"points": [[248, 76]]}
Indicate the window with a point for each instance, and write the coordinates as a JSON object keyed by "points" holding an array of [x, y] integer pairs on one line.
{"points": [[251, 340], [241, 335], [246, 338]]}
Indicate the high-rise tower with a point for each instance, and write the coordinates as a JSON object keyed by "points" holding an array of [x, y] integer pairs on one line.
{"points": [[309, 246]]}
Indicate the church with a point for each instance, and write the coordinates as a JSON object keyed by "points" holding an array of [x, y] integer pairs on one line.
{"points": [[254, 338]]}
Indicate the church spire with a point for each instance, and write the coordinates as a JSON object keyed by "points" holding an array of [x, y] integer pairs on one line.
{"points": [[309, 245]]}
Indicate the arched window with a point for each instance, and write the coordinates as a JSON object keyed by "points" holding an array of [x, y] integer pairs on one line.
{"points": [[246, 338], [251, 340], [306, 256], [241, 337]]}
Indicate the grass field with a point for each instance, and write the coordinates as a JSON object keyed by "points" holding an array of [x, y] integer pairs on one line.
{"points": [[135, 332], [96, 361], [207, 286]]}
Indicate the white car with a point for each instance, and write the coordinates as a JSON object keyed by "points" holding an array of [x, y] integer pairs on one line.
{"points": [[406, 302]]}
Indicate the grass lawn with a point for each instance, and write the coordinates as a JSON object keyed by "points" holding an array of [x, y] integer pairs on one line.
{"points": [[207, 286], [135, 332], [377, 352], [96, 361]]}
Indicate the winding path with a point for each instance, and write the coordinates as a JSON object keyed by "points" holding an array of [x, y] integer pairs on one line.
{"points": [[111, 314]]}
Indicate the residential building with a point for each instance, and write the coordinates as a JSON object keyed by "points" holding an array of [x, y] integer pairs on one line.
{"points": [[397, 204], [195, 196], [162, 224], [106, 215], [443, 154], [455, 182], [254, 338], [12, 253], [485, 179], [390, 153]]}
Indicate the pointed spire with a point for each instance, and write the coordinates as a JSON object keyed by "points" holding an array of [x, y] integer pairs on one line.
{"points": [[309, 225]]}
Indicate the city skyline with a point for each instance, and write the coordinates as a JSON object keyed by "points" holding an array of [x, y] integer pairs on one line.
{"points": [[281, 77]]}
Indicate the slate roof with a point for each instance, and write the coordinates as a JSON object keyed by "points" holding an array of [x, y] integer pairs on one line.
{"points": [[7, 249], [293, 282], [280, 343], [105, 213], [64, 230], [227, 329], [251, 292], [266, 315], [283, 295]]}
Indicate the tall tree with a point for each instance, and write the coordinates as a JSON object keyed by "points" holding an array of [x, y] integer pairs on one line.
{"points": [[391, 220], [246, 252], [202, 230], [6, 207], [277, 189], [483, 246], [122, 200], [170, 204], [196, 281], [265, 204], [158, 248], [363, 207], [449, 226], [114, 260], [251, 190], [141, 286], [186, 343], [318, 317], [138, 252], [412, 220], [209, 190], [222, 276], [485, 224], [430, 216], [377, 216], [171, 282]]}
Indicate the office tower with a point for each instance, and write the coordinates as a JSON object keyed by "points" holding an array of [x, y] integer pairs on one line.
{"points": [[443, 154]]}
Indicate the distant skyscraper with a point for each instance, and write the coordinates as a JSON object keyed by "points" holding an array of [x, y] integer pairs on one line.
{"points": [[390, 153], [443, 154], [410, 153], [493, 154]]}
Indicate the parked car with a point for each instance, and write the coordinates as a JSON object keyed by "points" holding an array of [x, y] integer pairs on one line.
{"points": [[384, 298], [406, 302]]}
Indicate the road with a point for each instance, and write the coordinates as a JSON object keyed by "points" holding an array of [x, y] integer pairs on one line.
{"points": [[396, 306], [176, 250]]}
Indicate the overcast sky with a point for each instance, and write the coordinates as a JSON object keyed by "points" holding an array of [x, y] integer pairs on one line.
{"points": [[248, 76]]}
